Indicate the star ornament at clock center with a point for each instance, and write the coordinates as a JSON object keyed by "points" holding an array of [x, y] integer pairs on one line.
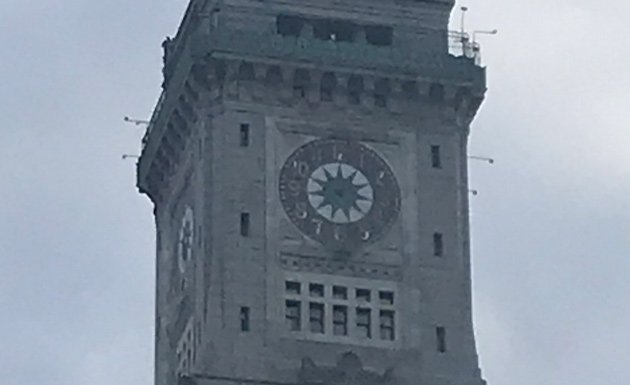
{"points": [[340, 193]]}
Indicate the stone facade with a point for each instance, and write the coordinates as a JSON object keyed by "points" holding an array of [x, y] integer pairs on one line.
{"points": [[246, 84]]}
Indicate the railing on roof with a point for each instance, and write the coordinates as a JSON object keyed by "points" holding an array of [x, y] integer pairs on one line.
{"points": [[460, 44]]}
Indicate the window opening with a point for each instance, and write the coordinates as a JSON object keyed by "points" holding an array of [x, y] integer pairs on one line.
{"points": [[340, 292], [293, 288], [287, 25], [436, 157], [386, 297], [363, 295], [316, 290], [387, 325], [440, 332], [245, 224], [364, 323], [316, 317], [293, 315], [355, 88], [244, 135], [379, 35], [438, 244], [244, 318], [340, 320]]}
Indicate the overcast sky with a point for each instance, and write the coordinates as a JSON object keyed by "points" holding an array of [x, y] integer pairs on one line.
{"points": [[551, 223]]}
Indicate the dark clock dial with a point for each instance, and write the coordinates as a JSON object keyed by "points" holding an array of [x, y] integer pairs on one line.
{"points": [[339, 193]]}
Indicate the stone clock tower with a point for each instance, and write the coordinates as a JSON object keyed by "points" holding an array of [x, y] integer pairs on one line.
{"points": [[308, 165]]}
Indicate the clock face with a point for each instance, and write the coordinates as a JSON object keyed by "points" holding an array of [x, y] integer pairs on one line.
{"points": [[185, 243], [339, 193]]}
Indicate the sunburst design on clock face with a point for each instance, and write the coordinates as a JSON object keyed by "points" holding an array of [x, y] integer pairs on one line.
{"points": [[339, 193]]}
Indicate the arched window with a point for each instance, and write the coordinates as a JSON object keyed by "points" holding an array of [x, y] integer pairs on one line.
{"points": [[327, 87], [381, 92], [410, 90], [355, 89], [246, 71], [301, 82], [273, 76], [436, 93]]}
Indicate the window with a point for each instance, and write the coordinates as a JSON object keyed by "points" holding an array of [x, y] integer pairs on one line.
{"points": [[289, 25], [292, 287], [245, 224], [381, 92], [316, 290], [327, 87], [364, 323], [316, 317], [244, 137], [386, 297], [340, 292], [387, 325], [340, 320], [440, 333], [355, 88], [438, 245], [301, 81], [363, 295], [293, 315], [379, 35], [436, 157], [244, 318], [436, 93]]}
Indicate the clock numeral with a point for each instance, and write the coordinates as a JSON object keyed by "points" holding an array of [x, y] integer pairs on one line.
{"points": [[337, 233], [294, 187], [366, 235], [303, 169], [302, 213], [318, 226], [380, 179]]}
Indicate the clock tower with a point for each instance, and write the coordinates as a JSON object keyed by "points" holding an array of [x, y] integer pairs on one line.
{"points": [[307, 161]]}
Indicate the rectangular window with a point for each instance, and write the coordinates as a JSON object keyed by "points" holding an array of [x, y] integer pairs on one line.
{"points": [[293, 288], [354, 97], [364, 323], [244, 135], [340, 292], [387, 325], [245, 224], [440, 333], [438, 245], [244, 318], [436, 157], [363, 295], [340, 320], [316, 317], [380, 100], [316, 290], [299, 91], [293, 315], [386, 297]]}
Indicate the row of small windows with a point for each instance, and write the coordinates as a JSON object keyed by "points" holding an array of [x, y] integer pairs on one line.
{"points": [[340, 300], [340, 320], [328, 85], [337, 292], [334, 30]]}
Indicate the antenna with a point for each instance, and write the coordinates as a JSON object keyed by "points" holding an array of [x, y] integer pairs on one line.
{"points": [[130, 156], [464, 10], [482, 32], [473, 192], [482, 158], [137, 122]]}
